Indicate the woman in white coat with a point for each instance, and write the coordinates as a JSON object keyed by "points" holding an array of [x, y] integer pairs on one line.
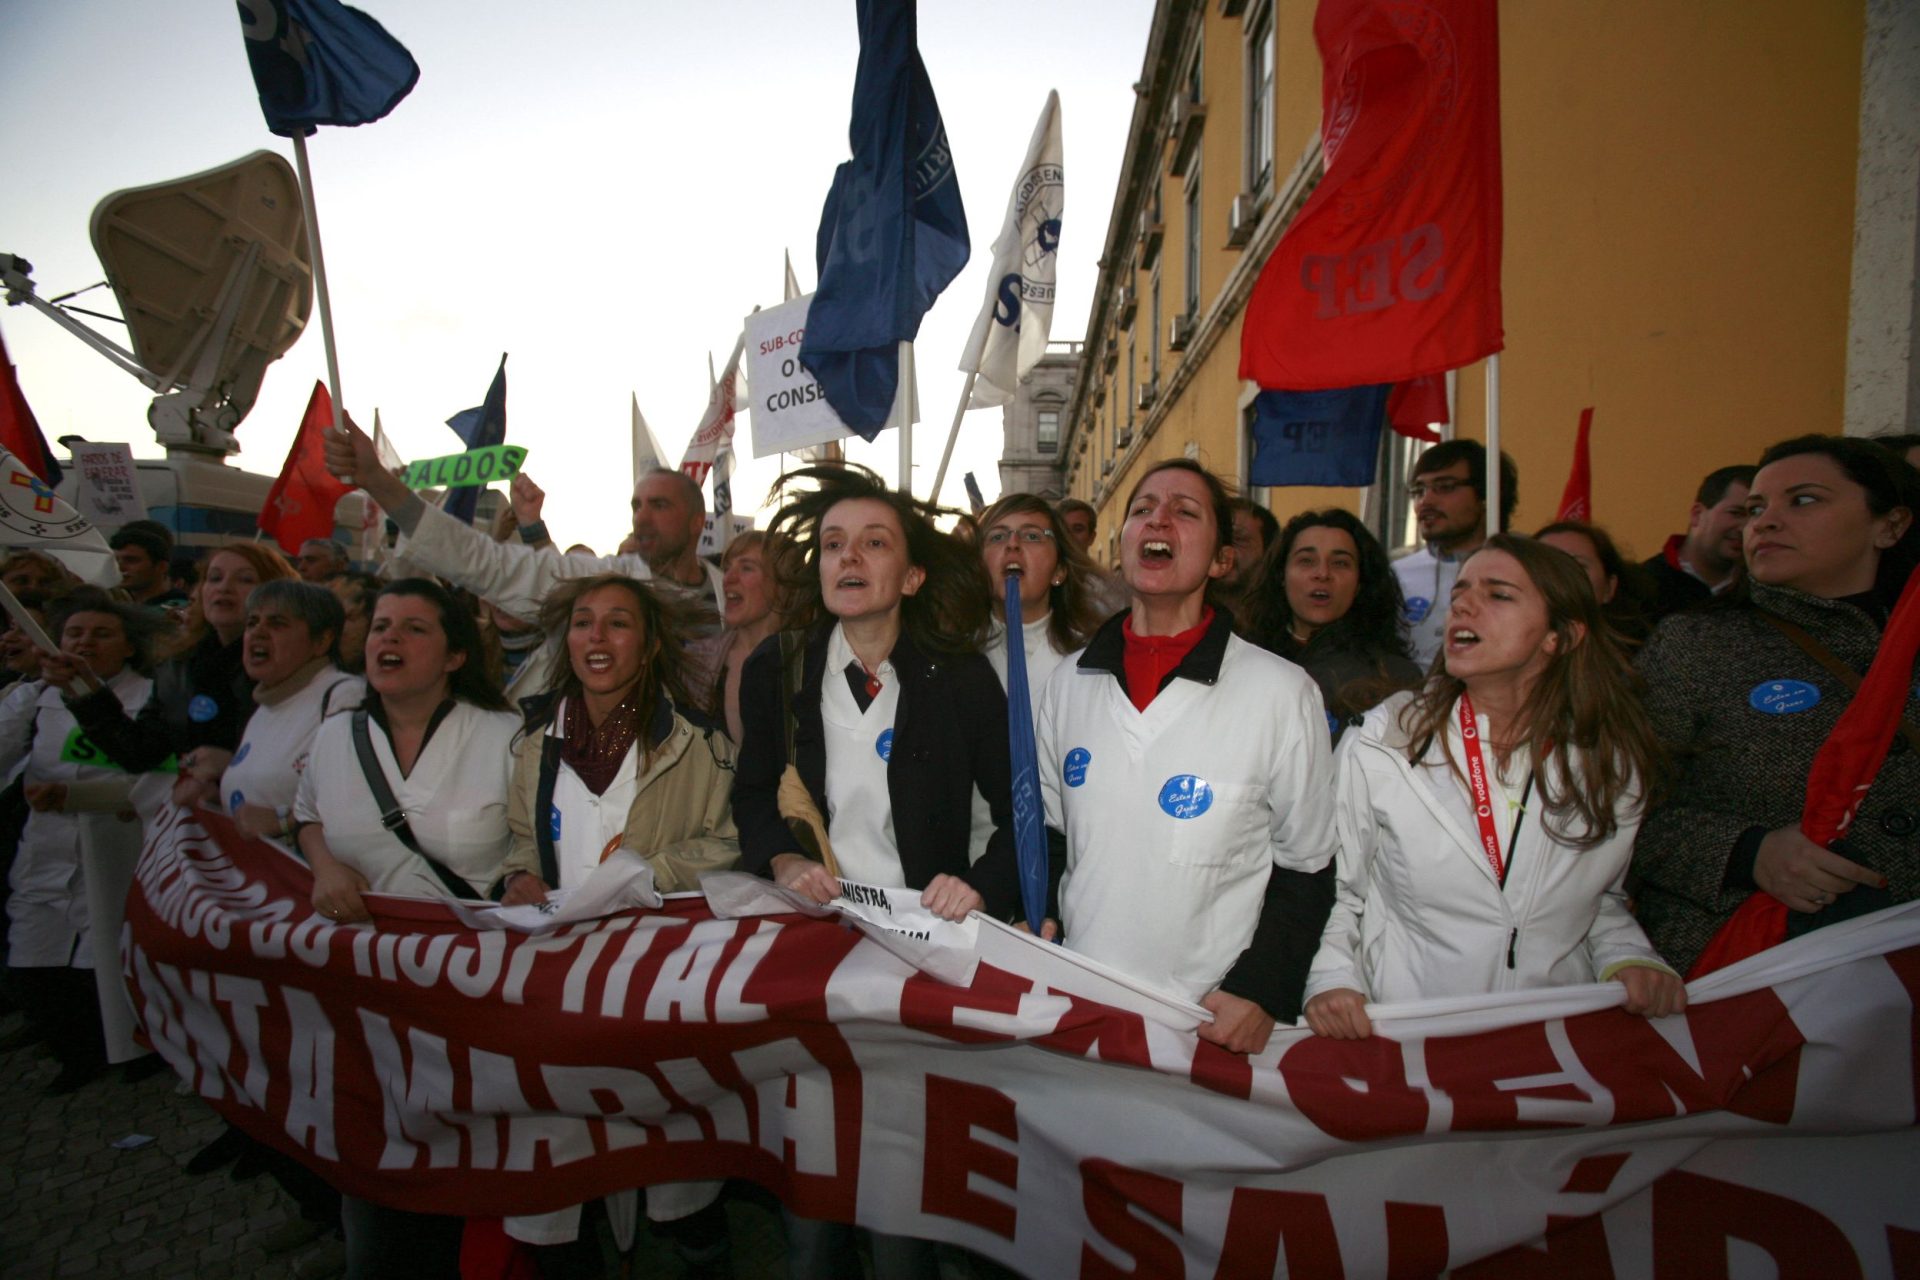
{"points": [[1191, 774], [1486, 820], [76, 856], [1023, 534]]}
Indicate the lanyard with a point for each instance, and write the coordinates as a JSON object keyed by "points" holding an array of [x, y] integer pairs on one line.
{"points": [[1483, 793]]}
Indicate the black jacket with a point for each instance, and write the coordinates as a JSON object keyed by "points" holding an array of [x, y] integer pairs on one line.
{"points": [[949, 733], [202, 698]]}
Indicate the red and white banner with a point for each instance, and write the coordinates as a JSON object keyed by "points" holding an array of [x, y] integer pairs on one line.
{"points": [[1392, 267], [436, 1067]]}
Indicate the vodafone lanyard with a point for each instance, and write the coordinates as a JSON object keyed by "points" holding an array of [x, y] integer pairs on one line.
{"points": [[1483, 793]]}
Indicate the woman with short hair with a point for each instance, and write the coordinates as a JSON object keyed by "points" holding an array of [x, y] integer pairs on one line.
{"points": [[1486, 819], [1744, 692]]}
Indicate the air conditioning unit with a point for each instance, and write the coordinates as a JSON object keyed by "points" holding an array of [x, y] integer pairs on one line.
{"points": [[1106, 468], [1126, 302], [1179, 331], [1188, 118], [1126, 438], [1111, 357], [1232, 8], [1146, 395], [1152, 231], [1242, 218]]}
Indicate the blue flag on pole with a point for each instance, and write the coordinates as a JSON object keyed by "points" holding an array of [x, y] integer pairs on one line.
{"points": [[892, 234], [479, 427], [321, 62], [1029, 833], [1317, 437]]}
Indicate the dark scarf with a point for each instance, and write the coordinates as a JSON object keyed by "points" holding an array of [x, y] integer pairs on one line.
{"points": [[595, 754]]}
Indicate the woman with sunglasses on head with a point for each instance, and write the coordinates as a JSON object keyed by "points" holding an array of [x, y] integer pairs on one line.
{"points": [[897, 721], [1327, 598], [1486, 819], [1189, 771], [1746, 691]]}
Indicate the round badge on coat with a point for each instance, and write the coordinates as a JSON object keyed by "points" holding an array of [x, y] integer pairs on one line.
{"points": [[1073, 770], [1418, 607], [235, 800], [1185, 796], [553, 823], [883, 745], [245, 749], [202, 708], [1783, 697]]}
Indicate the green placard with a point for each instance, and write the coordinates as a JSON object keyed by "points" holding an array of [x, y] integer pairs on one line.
{"points": [[79, 749], [465, 470]]}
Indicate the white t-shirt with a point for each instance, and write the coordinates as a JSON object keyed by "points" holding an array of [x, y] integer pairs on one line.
{"points": [[455, 801], [272, 756]]}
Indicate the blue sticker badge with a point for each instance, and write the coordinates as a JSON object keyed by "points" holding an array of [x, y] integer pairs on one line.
{"points": [[1783, 697], [1073, 770], [235, 800], [1185, 796], [202, 709], [245, 749], [1418, 607], [1333, 724], [553, 823], [883, 745]]}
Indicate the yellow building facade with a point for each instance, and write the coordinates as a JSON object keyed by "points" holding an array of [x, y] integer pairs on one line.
{"points": [[1682, 246]]}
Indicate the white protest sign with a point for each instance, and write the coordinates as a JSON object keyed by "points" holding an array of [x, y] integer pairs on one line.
{"points": [[789, 410], [109, 488], [710, 544]]}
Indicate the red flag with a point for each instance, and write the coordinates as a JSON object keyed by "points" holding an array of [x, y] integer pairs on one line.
{"points": [[1843, 769], [300, 504], [1392, 268], [1416, 404], [19, 429], [1576, 500]]}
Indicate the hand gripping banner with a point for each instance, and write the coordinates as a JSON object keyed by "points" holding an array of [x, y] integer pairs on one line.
{"points": [[442, 1067]]}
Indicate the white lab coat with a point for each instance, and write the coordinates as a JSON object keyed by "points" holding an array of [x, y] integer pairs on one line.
{"points": [[1174, 900], [1419, 912], [455, 801], [272, 756], [73, 869]]}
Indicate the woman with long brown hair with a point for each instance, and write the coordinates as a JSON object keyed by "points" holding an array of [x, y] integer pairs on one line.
{"points": [[1022, 534], [1486, 820]]}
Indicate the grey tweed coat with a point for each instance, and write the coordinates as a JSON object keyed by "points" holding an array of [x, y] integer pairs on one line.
{"points": [[1710, 677]]}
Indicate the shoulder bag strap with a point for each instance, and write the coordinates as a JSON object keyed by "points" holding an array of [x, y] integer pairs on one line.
{"points": [[392, 817], [1839, 670], [542, 817]]}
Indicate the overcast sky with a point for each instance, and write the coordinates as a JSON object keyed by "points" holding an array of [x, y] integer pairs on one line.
{"points": [[601, 189]]}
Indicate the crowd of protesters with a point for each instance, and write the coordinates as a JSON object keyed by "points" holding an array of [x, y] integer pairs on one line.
{"points": [[1286, 776]]}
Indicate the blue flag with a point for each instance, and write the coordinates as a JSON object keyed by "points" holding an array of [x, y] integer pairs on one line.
{"points": [[974, 498], [1029, 834], [1317, 437], [479, 427], [893, 233], [320, 62]]}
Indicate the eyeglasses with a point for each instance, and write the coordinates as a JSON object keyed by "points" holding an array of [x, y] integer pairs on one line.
{"points": [[1441, 487], [1028, 535]]}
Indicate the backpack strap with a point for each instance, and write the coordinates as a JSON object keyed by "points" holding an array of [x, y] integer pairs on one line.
{"points": [[392, 816]]}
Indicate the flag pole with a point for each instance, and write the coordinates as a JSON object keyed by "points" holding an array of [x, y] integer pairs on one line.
{"points": [[320, 283], [953, 433], [903, 417], [1493, 444]]}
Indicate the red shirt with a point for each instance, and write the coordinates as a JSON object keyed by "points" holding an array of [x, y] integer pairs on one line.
{"points": [[1148, 659]]}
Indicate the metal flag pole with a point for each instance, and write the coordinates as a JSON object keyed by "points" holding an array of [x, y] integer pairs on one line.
{"points": [[902, 417], [953, 433], [320, 284], [1493, 443]]}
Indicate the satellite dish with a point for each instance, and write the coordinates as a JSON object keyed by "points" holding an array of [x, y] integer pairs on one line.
{"points": [[212, 275]]}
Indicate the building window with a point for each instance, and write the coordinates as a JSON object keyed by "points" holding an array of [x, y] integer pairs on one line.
{"points": [[1193, 242], [1046, 431], [1259, 130], [1193, 71], [1132, 385], [1155, 335]]}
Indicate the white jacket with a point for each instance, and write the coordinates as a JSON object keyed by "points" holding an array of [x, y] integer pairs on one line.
{"points": [[1419, 912], [1175, 816]]}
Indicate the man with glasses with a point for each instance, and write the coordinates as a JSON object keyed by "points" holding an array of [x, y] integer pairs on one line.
{"points": [[1449, 493]]}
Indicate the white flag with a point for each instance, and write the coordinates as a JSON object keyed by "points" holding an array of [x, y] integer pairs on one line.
{"points": [[793, 281], [33, 517], [715, 431], [1011, 334], [647, 453]]}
